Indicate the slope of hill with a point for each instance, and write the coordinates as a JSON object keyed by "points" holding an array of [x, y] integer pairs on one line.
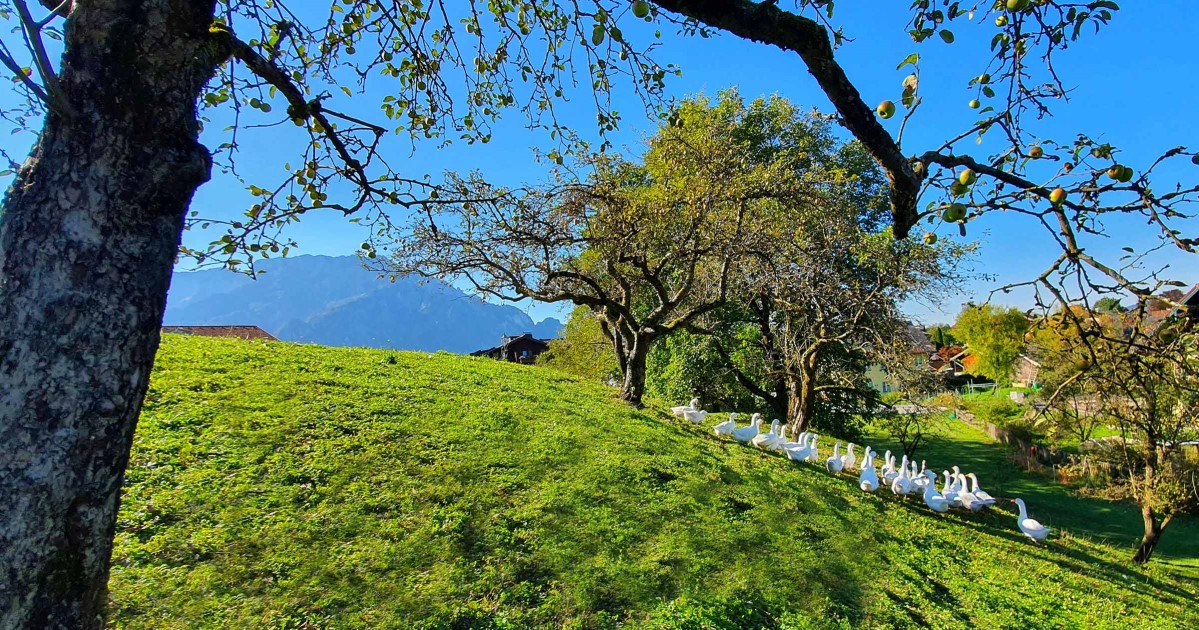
{"points": [[335, 301], [286, 486]]}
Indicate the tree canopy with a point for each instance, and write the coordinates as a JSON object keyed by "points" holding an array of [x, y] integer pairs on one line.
{"points": [[995, 336]]}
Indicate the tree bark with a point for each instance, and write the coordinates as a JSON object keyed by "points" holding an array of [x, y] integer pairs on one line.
{"points": [[633, 389], [88, 237], [801, 390], [801, 393], [1153, 532], [1153, 524]]}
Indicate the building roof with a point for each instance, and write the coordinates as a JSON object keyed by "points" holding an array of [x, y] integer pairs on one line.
{"points": [[239, 332], [508, 340], [1190, 300], [917, 337]]}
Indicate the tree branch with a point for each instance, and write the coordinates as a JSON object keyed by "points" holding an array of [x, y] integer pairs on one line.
{"points": [[766, 23]]}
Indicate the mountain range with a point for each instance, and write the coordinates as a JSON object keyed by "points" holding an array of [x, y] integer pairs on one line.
{"points": [[334, 301]]}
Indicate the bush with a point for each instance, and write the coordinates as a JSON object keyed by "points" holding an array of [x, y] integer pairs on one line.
{"points": [[998, 411]]}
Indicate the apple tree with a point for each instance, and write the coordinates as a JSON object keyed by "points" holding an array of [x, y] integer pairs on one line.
{"points": [[115, 94], [1066, 186], [1141, 374], [649, 246]]}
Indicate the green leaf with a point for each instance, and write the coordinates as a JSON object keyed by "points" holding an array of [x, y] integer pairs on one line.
{"points": [[946, 36], [913, 59]]}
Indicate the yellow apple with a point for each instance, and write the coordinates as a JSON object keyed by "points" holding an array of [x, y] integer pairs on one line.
{"points": [[930, 238], [885, 109], [967, 177], [1057, 196], [974, 104], [1036, 153], [640, 8], [1017, 5], [1001, 21]]}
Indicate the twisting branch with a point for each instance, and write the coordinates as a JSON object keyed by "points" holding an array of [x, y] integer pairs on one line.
{"points": [[764, 22]]}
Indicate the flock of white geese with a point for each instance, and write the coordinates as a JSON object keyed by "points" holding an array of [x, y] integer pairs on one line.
{"points": [[903, 477]]}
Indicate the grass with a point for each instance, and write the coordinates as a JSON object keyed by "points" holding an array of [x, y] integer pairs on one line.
{"points": [[1117, 524], [286, 486]]}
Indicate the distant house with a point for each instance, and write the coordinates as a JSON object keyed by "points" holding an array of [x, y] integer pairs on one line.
{"points": [[522, 348], [949, 360], [1189, 305], [239, 332], [919, 354], [1025, 371]]}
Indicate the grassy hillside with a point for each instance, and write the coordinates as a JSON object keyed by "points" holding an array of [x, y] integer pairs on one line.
{"points": [[1116, 523], [284, 486]]}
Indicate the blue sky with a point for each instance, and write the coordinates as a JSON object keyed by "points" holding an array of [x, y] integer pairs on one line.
{"points": [[1133, 86]]}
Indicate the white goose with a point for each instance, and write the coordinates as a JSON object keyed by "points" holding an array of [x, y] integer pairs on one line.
{"points": [[849, 460], [1031, 527], [814, 452], [868, 479], [919, 479], [932, 498], [695, 416], [977, 490], [801, 441], [890, 472], [949, 491], [691, 406], [745, 434], [771, 441], [799, 450], [888, 463], [969, 501], [903, 483], [727, 427], [894, 470], [833, 464]]}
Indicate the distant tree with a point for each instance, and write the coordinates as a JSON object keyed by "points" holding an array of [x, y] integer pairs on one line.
{"points": [[839, 300], [648, 246], [1056, 344], [582, 349], [686, 364], [994, 335], [822, 284], [1109, 305], [941, 336], [909, 423], [1145, 377]]}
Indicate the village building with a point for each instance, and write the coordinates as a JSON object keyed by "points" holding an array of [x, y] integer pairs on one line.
{"points": [[523, 348]]}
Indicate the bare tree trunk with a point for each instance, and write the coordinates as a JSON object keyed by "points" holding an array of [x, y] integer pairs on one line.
{"points": [[88, 237], [1153, 533], [633, 388], [801, 394]]}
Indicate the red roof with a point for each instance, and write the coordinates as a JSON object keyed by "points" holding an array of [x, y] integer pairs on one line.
{"points": [[239, 332]]}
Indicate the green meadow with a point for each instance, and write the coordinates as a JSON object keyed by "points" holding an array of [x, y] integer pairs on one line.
{"points": [[277, 485]]}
